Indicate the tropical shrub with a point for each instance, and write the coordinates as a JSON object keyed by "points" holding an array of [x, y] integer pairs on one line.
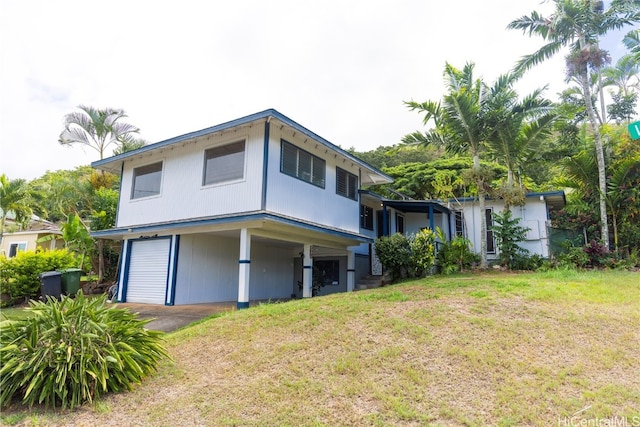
{"points": [[394, 253], [72, 351], [455, 255], [407, 256], [423, 252], [508, 234], [19, 276]]}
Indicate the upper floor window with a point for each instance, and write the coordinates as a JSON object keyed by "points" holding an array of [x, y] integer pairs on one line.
{"points": [[346, 184], [146, 181], [302, 165], [225, 163]]}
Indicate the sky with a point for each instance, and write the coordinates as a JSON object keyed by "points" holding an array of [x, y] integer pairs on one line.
{"points": [[341, 68]]}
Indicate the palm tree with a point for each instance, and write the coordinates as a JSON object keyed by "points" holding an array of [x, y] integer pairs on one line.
{"points": [[96, 128], [459, 127], [578, 25], [515, 130], [625, 76], [14, 198], [632, 42]]}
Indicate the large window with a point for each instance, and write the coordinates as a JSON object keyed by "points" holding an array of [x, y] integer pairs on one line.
{"points": [[146, 181], [366, 217], [346, 184], [302, 165], [225, 163]]}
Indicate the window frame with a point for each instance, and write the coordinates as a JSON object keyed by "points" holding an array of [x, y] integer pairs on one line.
{"points": [[491, 240], [366, 217], [348, 182], [312, 165], [135, 175], [219, 147], [18, 249], [399, 223]]}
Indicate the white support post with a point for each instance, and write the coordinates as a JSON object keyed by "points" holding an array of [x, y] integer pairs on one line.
{"points": [[244, 268], [351, 271], [307, 272]]}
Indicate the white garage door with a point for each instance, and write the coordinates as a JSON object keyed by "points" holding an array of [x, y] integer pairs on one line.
{"points": [[148, 269]]}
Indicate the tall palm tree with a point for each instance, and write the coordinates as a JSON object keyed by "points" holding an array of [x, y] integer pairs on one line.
{"points": [[14, 198], [459, 127], [96, 128], [515, 129], [578, 26]]}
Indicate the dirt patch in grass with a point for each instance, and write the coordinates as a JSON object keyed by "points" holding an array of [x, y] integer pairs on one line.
{"points": [[413, 354]]}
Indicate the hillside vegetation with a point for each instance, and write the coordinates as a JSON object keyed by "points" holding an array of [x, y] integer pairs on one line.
{"points": [[490, 349]]}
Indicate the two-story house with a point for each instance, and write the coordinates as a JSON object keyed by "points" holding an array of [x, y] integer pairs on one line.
{"points": [[244, 210]]}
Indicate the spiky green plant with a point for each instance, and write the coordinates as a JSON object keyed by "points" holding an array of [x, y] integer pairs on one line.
{"points": [[71, 351]]}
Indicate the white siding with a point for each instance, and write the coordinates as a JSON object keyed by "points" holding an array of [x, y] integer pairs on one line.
{"points": [[533, 215], [207, 269], [182, 193], [293, 197]]}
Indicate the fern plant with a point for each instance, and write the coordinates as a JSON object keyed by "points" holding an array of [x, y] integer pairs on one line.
{"points": [[71, 351]]}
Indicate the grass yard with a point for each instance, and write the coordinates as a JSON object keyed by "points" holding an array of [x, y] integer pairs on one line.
{"points": [[548, 349]]}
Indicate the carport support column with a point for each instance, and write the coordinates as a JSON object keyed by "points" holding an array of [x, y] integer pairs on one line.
{"points": [[307, 272], [351, 271], [244, 268]]}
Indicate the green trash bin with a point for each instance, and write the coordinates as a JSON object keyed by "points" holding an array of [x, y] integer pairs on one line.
{"points": [[71, 280]]}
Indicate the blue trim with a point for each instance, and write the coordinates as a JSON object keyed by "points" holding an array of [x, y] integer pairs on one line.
{"points": [[172, 297], [385, 221], [235, 123], [242, 305], [125, 278], [307, 266], [244, 261], [166, 285], [125, 282], [432, 223], [351, 270], [162, 227], [535, 194], [119, 192], [265, 163]]}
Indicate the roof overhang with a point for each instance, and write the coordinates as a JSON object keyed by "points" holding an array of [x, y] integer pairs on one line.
{"points": [[369, 176], [263, 224], [553, 199]]}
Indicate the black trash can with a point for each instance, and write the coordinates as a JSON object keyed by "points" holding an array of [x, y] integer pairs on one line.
{"points": [[51, 284], [71, 280]]}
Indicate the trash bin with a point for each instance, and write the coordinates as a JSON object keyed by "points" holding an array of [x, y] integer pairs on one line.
{"points": [[70, 280], [50, 284]]}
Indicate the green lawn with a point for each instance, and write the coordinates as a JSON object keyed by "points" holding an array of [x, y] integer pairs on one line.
{"points": [[493, 349]]}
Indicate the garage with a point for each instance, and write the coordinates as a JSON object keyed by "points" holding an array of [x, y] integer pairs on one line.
{"points": [[148, 271]]}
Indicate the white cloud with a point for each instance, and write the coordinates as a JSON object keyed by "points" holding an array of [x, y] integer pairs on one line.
{"points": [[340, 68]]}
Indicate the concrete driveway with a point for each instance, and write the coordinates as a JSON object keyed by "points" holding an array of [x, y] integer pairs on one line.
{"points": [[169, 318]]}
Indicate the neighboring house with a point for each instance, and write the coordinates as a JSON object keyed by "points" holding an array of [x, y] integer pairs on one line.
{"points": [[256, 208], [534, 215], [16, 240]]}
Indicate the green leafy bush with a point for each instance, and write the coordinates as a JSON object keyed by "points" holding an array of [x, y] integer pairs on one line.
{"points": [[407, 256], [72, 351], [508, 234], [19, 276], [423, 252], [455, 255], [394, 252]]}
